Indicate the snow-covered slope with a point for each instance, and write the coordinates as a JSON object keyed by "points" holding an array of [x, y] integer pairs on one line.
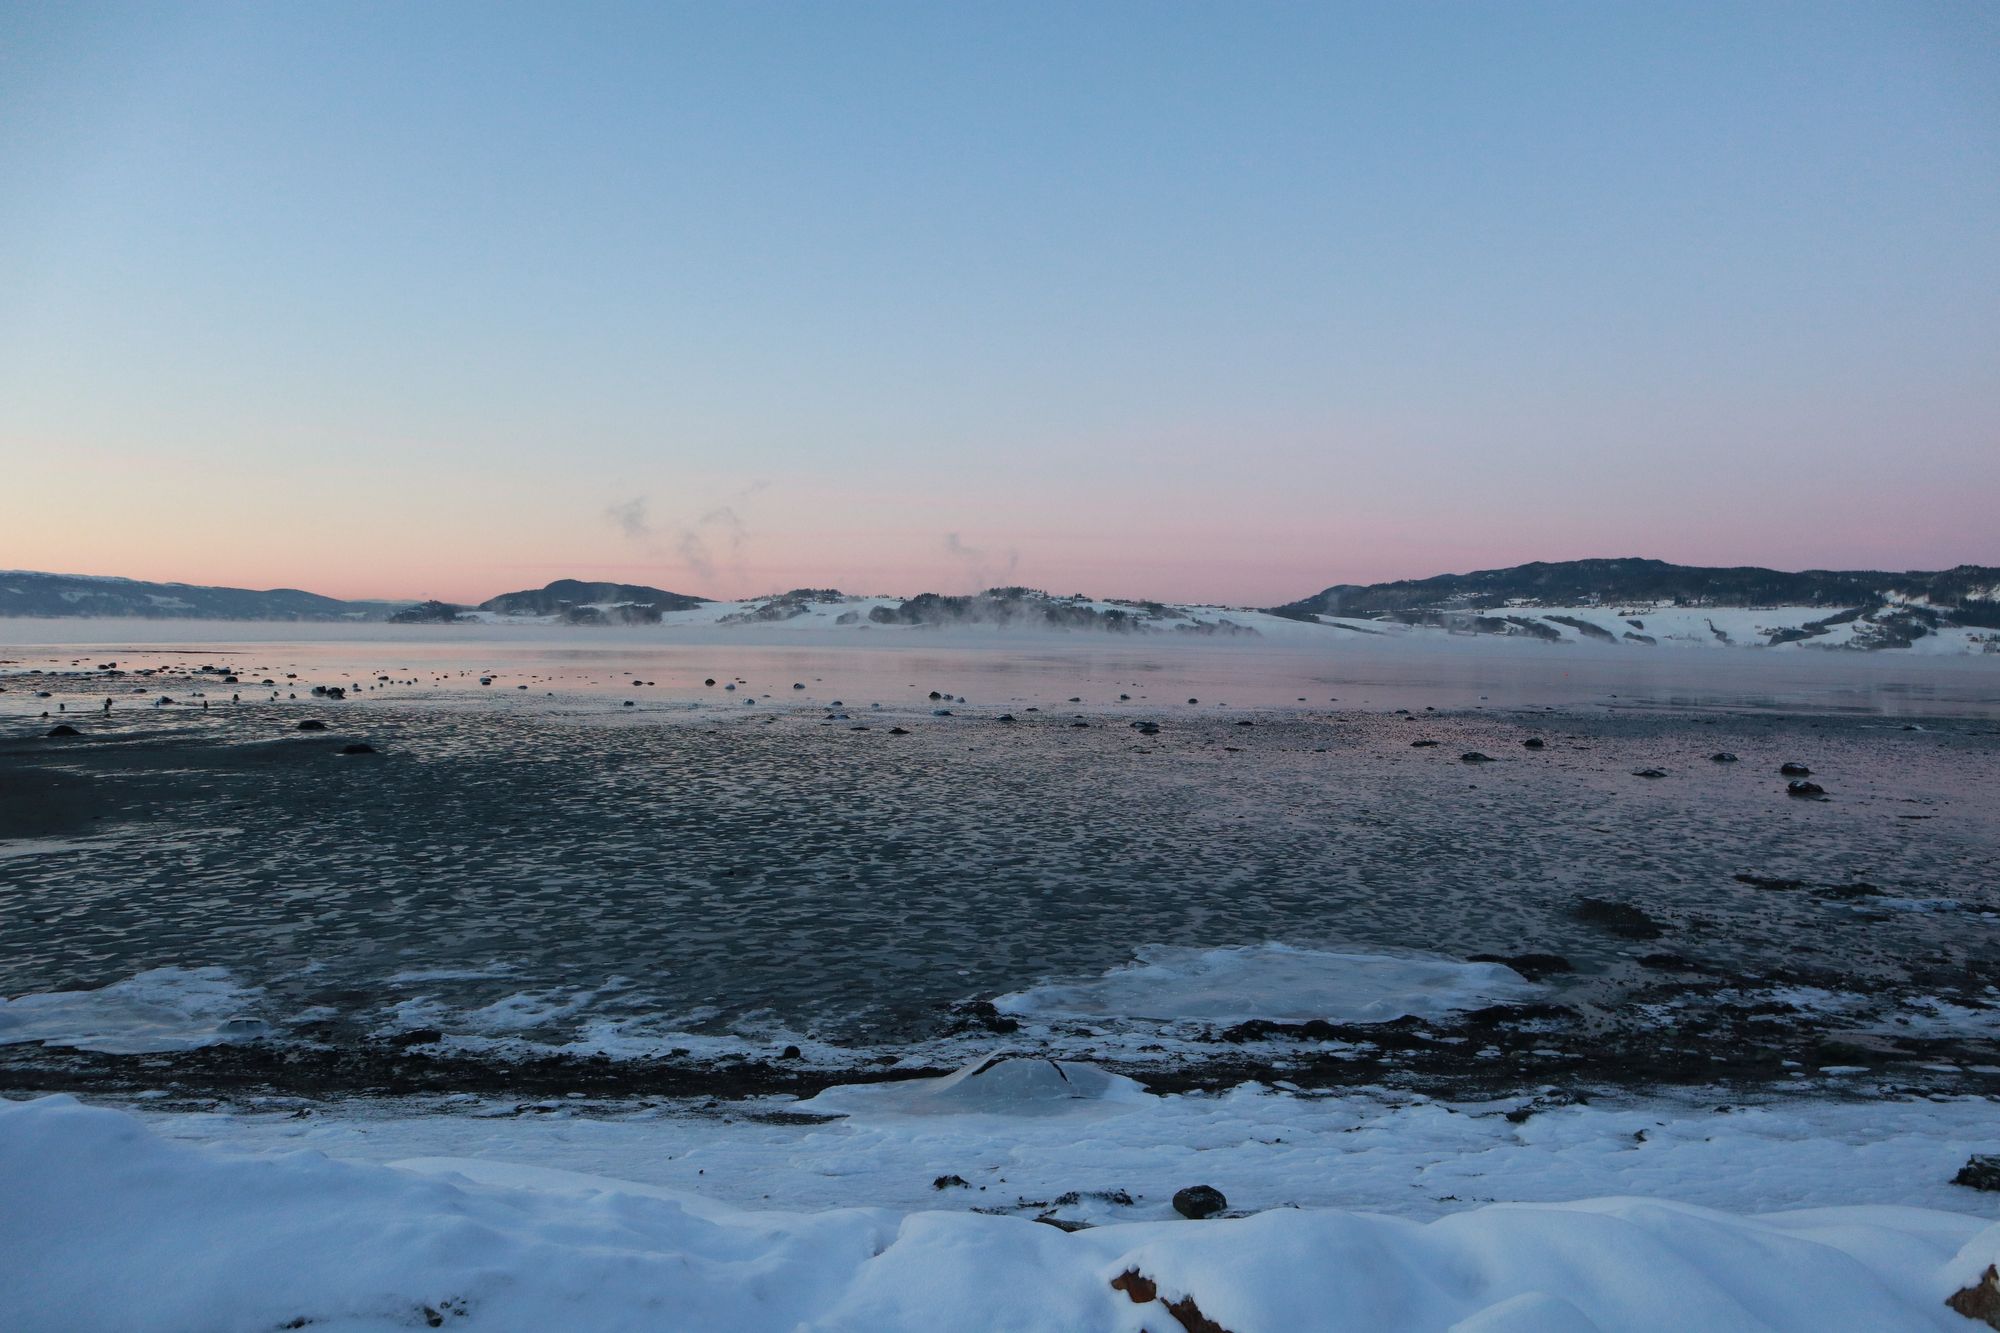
{"points": [[1635, 626]]}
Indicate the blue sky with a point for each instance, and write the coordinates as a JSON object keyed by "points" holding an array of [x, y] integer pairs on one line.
{"points": [[1174, 300]]}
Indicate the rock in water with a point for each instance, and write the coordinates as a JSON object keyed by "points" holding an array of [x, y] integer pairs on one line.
{"points": [[1475, 757], [359, 747], [1199, 1201], [1794, 771], [1799, 787], [1616, 917], [1533, 743], [312, 724], [1722, 757], [1649, 773], [1533, 966], [63, 729]]}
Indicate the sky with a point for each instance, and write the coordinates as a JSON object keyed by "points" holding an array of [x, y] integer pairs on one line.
{"points": [[1194, 301]]}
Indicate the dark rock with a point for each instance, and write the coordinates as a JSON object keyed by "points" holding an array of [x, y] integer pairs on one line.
{"points": [[1982, 1172], [1142, 1290], [709, 681], [63, 729], [982, 1014], [312, 724], [1669, 962], [1004, 717], [1194, 701], [1846, 892], [416, 1037], [358, 747], [1422, 745], [1475, 757], [1064, 1224], [899, 731], [1800, 787], [1769, 882], [1979, 1302], [1794, 771], [952, 1182], [1533, 743], [1722, 757], [1621, 919], [1533, 966], [1649, 772], [1199, 1201], [790, 1053]]}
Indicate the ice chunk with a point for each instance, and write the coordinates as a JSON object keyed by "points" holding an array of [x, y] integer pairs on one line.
{"points": [[1273, 981], [166, 1009]]}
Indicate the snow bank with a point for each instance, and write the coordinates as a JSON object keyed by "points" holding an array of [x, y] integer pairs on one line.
{"points": [[109, 1227], [1273, 981], [166, 1009]]}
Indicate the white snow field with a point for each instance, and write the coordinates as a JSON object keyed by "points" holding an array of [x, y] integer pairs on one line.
{"points": [[350, 1222]]}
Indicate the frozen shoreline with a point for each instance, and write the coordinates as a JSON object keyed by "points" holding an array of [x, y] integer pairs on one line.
{"points": [[1367, 1215]]}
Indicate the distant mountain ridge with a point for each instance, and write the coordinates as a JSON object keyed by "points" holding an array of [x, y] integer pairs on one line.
{"points": [[1967, 594], [1632, 601], [29, 593], [580, 603]]}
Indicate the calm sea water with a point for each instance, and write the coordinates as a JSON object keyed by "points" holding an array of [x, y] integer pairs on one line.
{"points": [[547, 863]]}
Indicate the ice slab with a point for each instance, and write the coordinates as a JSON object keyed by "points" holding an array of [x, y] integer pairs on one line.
{"points": [[1273, 981], [165, 1009]]}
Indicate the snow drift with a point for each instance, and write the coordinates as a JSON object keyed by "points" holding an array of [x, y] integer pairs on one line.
{"points": [[108, 1227]]}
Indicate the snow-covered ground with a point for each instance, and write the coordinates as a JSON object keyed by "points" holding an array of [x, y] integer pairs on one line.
{"points": [[1636, 626], [1362, 1214]]}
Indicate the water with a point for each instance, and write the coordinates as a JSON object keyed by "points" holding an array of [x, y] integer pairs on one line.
{"points": [[548, 864]]}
